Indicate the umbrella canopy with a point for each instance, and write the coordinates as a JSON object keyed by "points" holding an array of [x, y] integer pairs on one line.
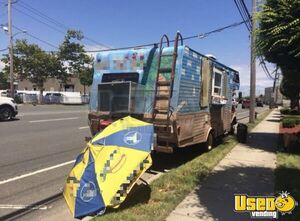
{"points": [[109, 166]]}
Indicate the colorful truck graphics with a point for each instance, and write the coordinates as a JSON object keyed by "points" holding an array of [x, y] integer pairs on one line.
{"points": [[200, 95]]}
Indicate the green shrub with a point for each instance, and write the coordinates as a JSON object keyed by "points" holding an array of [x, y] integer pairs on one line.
{"points": [[294, 112], [287, 111], [288, 123], [18, 100]]}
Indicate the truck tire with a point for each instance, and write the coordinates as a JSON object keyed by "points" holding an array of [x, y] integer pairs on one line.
{"points": [[6, 113], [209, 142]]}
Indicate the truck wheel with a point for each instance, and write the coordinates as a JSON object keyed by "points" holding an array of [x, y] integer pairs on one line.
{"points": [[6, 113], [209, 142]]}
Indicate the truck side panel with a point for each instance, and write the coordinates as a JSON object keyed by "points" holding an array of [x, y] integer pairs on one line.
{"points": [[192, 120]]}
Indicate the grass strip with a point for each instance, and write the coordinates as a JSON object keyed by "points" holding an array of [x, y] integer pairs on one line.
{"points": [[260, 117], [287, 178], [156, 201]]}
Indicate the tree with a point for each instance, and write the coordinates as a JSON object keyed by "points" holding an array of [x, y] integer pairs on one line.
{"points": [[86, 77], [4, 75], [3, 80], [74, 58], [278, 40], [35, 64], [289, 87]]}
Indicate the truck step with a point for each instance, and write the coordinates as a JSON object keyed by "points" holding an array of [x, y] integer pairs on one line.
{"points": [[164, 83], [162, 97], [160, 121], [165, 70], [163, 129], [164, 136], [160, 118], [163, 149], [161, 111]]}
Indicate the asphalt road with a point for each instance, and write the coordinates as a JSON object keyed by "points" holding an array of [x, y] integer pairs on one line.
{"points": [[41, 137], [243, 114], [37, 153]]}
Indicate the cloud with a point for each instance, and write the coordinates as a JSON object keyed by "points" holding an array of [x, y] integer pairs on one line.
{"points": [[262, 81]]}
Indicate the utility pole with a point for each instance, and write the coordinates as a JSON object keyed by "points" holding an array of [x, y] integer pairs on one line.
{"points": [[11, 52], [253, 67]]}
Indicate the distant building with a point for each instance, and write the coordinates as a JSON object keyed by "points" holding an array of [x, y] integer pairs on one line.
{"points": [[52, 84], [273, 96], [268, 95]]}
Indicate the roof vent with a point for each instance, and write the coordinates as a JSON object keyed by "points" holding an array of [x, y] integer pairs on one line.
{"points": [[211, 56]]}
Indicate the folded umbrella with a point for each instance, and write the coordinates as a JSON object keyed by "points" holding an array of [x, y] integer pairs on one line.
{"points": [[109, 166]]}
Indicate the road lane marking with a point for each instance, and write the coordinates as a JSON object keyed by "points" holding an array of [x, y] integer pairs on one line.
{"points": [[81, 128], [11, 206], [36, 172], [50, 113], [247, 111], [57, 119]]}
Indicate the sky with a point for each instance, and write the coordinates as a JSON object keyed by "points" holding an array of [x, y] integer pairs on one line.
{"points": [[121, 23]]}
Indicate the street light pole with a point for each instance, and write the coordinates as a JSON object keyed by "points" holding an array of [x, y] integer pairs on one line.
{"points": [[11, 52], [253, 67]]}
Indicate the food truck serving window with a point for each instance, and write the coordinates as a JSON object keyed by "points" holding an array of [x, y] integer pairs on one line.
{"points": [[217, 83], [131, 76]]}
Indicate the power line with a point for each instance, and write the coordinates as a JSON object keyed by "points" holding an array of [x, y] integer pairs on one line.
{"points": [[48, 25], [24, 13], [245, 7], [245, 14], [55, 22], [39, 39], [248, 26], [200, 36], [42, 15]]}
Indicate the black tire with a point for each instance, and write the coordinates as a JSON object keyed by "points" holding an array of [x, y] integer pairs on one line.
{"points": [[209, 142], [231, 132], [232, 129], [6, 113]]}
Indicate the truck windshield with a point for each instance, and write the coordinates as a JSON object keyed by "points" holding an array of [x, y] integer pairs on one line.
{"points": [[134, 77], [114, 97], [124, 97]]}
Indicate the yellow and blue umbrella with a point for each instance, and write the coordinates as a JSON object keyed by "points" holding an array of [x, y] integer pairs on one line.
{"points": [[108, 167]]}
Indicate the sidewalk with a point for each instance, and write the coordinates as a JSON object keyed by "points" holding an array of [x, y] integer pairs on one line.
{"points": [[247, 169]]}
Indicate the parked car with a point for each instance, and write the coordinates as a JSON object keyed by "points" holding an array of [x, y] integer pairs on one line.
{"points": [[3, 93], [259, 103], [245, 103], [70, 98], [8, 108], [52, 98]]}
